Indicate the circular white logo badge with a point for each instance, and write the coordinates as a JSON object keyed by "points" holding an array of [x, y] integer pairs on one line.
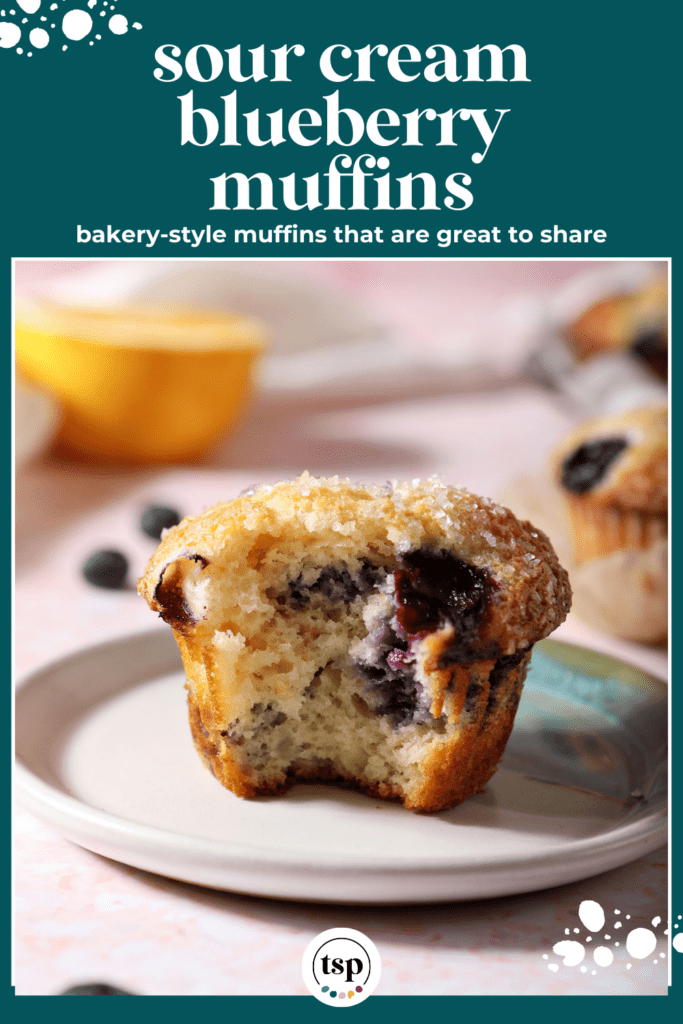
{"points": [[341, 967]]}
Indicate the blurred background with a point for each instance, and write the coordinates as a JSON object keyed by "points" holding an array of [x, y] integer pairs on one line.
{"points": [[180, 384], [161, 384]]}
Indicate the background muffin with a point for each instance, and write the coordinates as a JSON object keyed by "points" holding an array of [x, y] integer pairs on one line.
{"points": [[612, 474], [635, 322]]}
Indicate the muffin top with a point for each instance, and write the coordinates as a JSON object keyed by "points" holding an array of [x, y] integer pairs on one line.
{"points": [[619, 460], [275, 529]]}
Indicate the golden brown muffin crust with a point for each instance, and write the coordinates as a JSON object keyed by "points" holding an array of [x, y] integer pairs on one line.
{"points": [[532, 601]]}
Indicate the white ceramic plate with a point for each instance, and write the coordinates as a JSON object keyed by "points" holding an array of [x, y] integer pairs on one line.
{"points": [[105, 756]]}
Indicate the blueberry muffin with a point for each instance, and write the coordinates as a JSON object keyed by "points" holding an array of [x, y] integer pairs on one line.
{"points": [[374, 636], [635, 322], [612, 474]]}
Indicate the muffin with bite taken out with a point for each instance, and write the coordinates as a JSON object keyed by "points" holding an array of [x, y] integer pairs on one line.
{"points": [[374, 636]]}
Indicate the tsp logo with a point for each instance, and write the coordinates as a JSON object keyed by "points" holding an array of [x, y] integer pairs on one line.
{"points": [[341, 967]]}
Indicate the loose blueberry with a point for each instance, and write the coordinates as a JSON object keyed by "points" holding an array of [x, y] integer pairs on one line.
{"points": [[106, 569], [95, 988], [157, 518], [587, 466]]}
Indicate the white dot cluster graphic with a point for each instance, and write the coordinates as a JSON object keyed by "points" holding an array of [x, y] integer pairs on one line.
{"points": [[71, 20], [639, 943]]}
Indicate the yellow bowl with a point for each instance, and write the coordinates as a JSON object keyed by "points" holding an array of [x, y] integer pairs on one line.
{"points": [[139, 385]]}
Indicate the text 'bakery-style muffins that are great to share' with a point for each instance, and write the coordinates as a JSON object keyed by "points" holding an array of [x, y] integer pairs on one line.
{"points": [[376, 636]]}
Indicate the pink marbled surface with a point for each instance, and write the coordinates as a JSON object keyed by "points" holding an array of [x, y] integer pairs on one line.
{"points": [[81, 917]]}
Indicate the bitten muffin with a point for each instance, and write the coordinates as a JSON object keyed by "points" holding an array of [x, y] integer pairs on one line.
{"points": [[613, 477], [636, 322], [375, 636]]}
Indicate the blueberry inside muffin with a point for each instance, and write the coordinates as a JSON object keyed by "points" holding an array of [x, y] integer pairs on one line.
{"points": [[373, 636], [588, 464], [619, 461], [652, 348]]}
